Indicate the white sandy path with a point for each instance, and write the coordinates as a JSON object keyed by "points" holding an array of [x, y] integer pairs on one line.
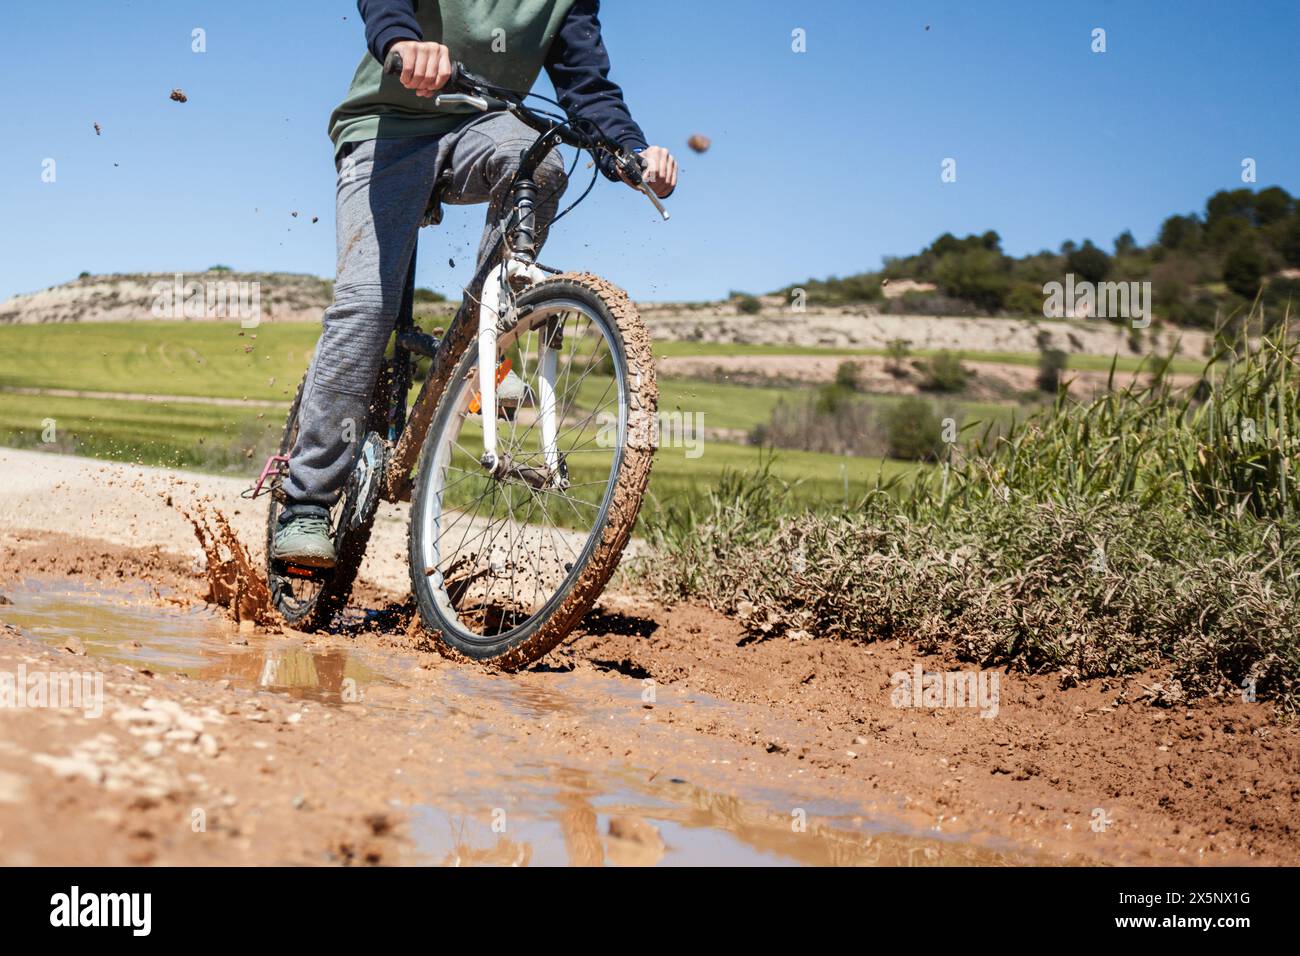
{"points": [[127, 505]]}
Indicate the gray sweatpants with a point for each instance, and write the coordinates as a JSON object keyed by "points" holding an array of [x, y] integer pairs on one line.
{"points": [[383, 189]]}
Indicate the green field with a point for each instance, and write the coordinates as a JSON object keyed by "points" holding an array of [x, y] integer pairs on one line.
{"points": [[204, 360], [218, 359]]}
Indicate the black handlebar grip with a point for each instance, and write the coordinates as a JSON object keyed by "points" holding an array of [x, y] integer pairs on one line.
{"points": [[393, 65]]}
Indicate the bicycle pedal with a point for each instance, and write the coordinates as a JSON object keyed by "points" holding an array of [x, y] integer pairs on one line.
{"points": [[302, 571]]}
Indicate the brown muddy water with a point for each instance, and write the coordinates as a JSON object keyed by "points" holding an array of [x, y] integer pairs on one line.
{"points": [[491, 765]]}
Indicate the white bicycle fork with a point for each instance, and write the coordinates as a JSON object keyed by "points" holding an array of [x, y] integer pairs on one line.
{"points": [[490, 315]]}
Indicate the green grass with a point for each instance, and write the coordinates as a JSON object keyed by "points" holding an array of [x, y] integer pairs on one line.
{"points": [[208, 438], [207, 359], [219, 359]]}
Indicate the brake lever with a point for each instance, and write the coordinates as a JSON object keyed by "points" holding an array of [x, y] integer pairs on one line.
{"points": [[461, 99], [633, 166]]}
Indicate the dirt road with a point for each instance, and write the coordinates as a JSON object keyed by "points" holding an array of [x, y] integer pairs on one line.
{"points": [[655, 735]]}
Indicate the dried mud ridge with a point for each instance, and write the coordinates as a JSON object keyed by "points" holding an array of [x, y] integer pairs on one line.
{"points": [[1092, 773]]}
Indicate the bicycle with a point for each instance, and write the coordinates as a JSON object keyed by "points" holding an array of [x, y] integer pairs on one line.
{"points": [[520, 511]]}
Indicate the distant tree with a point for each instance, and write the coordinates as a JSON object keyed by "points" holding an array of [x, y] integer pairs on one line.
{"points": [[1273, 205], [975, 275], [1229, 204], [220, 269], [1288, 241], [84, 275], [1088, 262], [747, 304], [1244, 269], [1125, 243], [1180, 233]]}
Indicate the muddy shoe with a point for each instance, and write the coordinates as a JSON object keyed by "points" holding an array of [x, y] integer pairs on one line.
{"points": [[304, 537]]}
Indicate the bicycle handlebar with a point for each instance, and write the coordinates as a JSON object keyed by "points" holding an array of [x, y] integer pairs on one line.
{"points": [[470, 89]]}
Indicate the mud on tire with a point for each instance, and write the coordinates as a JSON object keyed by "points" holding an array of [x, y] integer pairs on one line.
{"points": [[538, 635]]}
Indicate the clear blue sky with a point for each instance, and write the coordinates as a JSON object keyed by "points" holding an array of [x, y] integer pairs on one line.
{"points": [[822, 162]]}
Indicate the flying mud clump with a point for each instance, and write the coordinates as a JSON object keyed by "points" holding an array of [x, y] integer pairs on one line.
{"points": [[233, 580], [179, 96], [699, 143]]}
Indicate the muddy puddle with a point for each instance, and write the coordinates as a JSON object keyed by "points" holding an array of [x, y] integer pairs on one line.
{"points": [[499, 791]]}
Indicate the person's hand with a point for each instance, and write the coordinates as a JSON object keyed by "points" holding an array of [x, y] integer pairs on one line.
{"points": [[659, 170], [426, 67]]}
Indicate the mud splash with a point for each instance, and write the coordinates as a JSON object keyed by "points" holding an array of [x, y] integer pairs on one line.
{"points": [[234, 581]]}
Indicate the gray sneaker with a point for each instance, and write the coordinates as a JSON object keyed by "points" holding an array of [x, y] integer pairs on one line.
{"points": [[304, 537]]}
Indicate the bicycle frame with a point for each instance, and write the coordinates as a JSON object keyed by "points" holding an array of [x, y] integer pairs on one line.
{"points": [[517, 269]]}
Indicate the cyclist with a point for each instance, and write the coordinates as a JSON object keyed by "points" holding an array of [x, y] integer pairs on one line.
{"points": [[392, 146]]}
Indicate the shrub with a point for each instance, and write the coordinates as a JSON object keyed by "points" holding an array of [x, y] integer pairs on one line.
{"points": [[1144, 529], [944, 373], [832, 421], [897, 351], [848, 375], [748, 305], [1051, 363], [913, 430], [975, 275]]}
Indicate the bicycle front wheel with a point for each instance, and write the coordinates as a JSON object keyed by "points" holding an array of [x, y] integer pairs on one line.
{"points": [[505, 563]]}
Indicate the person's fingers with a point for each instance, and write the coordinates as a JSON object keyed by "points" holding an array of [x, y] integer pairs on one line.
{"points": [[410, 58], [419, 55], [672, 173], [429, 69], [442, 73]]}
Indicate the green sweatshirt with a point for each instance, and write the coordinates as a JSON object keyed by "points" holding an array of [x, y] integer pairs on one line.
{"points": [[505, 41]]}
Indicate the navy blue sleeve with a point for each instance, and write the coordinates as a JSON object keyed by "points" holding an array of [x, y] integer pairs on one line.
{"points": [[386, 22], [579, 67]]}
